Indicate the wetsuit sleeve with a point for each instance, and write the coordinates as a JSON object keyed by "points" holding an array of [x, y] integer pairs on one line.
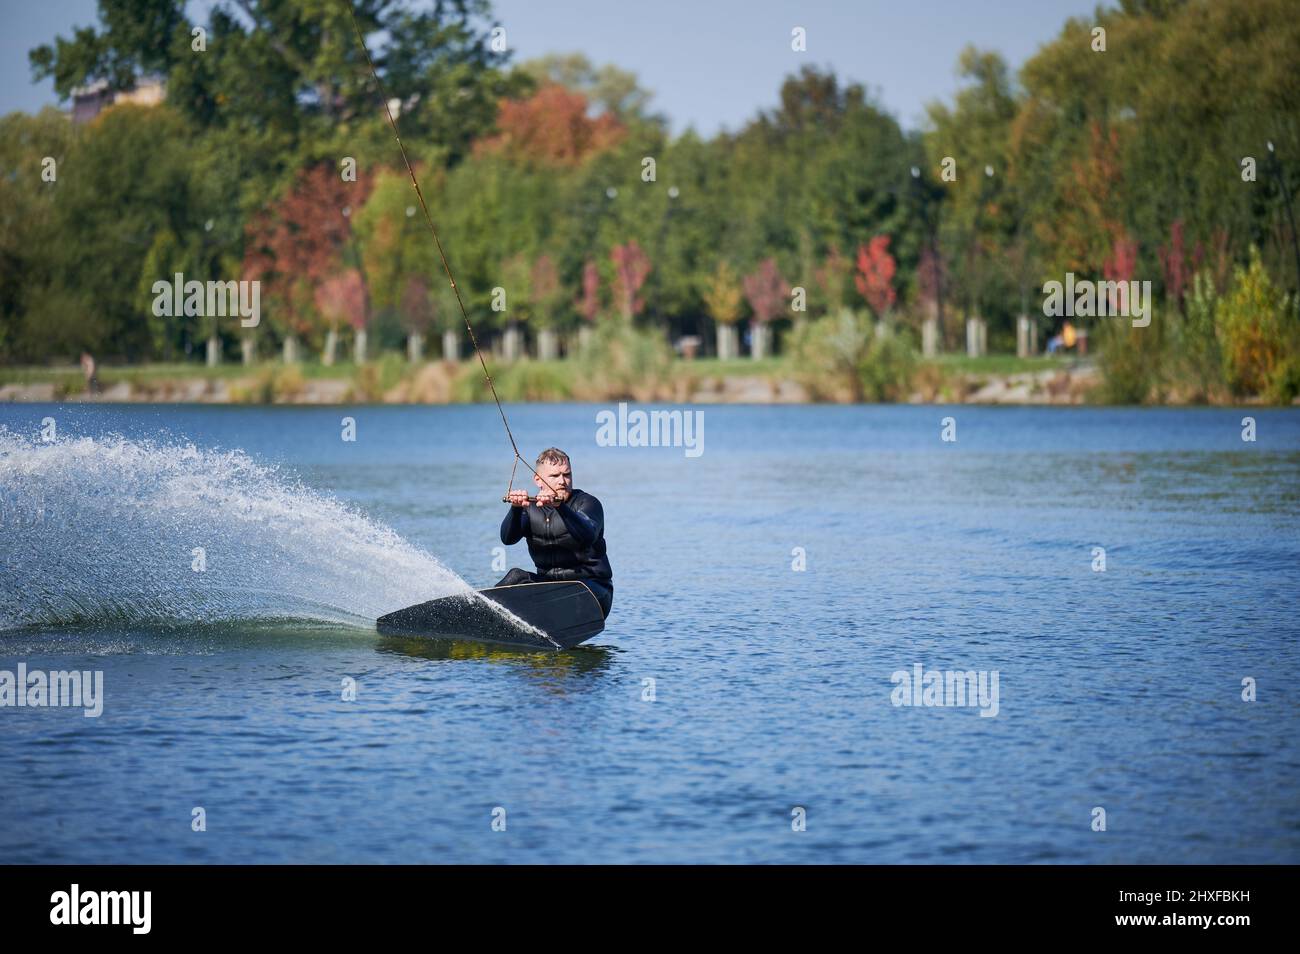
{"points": [[584, 521], [513, 526]]}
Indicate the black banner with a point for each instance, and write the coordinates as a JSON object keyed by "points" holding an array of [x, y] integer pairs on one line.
{"points": [[337, 903]]}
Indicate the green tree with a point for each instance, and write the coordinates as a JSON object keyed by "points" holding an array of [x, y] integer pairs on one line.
{"points": [[970, 140], [137, 38], [132, 178], [32, 149], [1257, 329]]}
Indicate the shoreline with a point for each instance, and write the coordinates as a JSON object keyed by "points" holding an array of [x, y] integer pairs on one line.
{"points": [[439, 383], [1028, 387]]}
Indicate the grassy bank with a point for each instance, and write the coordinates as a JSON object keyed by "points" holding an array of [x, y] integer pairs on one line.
{"points": [[390, 378]]}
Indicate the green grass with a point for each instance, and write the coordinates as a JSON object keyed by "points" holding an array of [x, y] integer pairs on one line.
{"points": [[25, 375], [146, 372], [527, 380], [111, 374]]}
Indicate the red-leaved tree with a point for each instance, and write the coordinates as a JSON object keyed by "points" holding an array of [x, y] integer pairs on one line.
{"points": [[298, 242], [417, 305], [1173, 258], [875, 276], [766, 291], [552, 126], [631, 268], [1119, 266], [342, 297], [589, 303]]}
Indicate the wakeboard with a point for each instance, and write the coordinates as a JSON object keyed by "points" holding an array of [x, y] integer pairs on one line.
{"points": [[565, 610]]}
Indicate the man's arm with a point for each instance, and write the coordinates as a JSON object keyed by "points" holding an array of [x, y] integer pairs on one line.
{"points": [[584, 520], [514, 525]]}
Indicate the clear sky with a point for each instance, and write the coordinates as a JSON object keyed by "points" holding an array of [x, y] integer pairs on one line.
{"points": [[711, 64]]}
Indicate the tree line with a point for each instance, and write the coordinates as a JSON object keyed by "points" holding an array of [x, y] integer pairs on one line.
{"points": [[1156, 141]]}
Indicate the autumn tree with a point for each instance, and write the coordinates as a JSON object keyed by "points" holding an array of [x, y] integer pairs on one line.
{"points": [[1120, 266], [611, 90], [875, 276], [767, 294], [631, 268], [551, 127], [417, 314], [342, 298], [302, 240], [722, 299], [589, 304], [1089, 226]]}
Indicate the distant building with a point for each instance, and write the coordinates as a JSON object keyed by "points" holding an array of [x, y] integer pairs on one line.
{"points": [[89, 101]]}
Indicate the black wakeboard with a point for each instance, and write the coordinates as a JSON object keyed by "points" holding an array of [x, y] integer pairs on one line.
{"points": [[565, 610]]}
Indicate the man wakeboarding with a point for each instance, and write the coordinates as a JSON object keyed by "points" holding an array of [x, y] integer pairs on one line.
{"points": [[565, 530]]}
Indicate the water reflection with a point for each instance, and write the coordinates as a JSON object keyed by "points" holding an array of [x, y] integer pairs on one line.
{"points": [[580, 660]]}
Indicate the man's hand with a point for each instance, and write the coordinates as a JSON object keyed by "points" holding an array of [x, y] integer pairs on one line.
{"points": [[519, 498], [552, 498]]}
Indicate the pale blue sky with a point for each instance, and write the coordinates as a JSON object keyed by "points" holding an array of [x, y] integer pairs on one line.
{"points": [[710, 63]]}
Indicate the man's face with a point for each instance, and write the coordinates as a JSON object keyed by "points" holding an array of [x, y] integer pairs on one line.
{"points": [[558, 476]]}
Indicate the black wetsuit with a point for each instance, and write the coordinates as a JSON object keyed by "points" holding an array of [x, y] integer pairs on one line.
{"points": [[566, 542]]}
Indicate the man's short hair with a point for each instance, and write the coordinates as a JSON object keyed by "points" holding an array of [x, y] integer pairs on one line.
{"points": [[552, 455]]}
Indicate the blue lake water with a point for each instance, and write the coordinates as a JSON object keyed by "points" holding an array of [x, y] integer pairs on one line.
{"points": [[772, 697]]}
